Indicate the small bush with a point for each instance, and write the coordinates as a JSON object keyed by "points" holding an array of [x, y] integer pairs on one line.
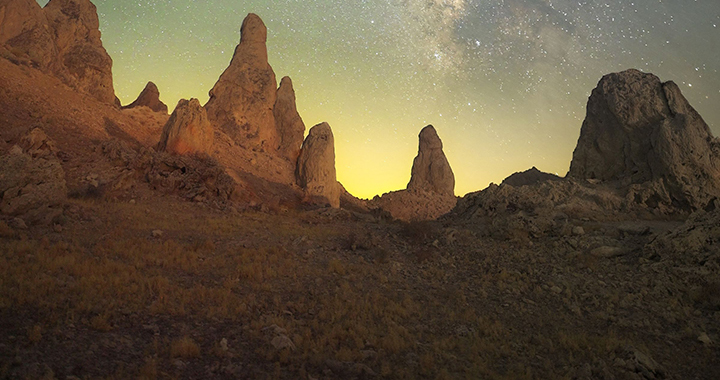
{"points": [[185, 348]]}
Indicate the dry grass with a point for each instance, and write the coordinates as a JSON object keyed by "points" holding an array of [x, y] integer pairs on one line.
{"points": [[185, 348]]}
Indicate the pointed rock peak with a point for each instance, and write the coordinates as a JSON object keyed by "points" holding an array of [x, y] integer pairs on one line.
{"points": [[431, 170], [188, 130], [149, 97], [241, 102], [253, 30], [429, 139], [289, 124], [316, 167]]}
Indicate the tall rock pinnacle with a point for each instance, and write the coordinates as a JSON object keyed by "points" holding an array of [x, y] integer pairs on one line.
{"points": [[316, 166], [638, 130], [289, 124], [241, 102], [431, 170]]}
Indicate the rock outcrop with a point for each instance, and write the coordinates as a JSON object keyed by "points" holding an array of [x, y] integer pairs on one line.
{"points": [[431, 170], [431, 190], [640, 131], [188, 130], [241, 102], [62, 39], [289, 124], [529, 177], [316, 167], [32, 181], [149, 97]]}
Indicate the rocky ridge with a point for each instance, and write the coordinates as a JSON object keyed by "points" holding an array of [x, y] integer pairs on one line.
{"points": [[150, 98]]}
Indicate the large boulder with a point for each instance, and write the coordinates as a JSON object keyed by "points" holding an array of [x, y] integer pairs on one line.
{"points": [[149, 97], [63, 40], [188, 130], [32, 180], [431, 170], [289, 124], [241, 102], [316, 167], [638, 131]]}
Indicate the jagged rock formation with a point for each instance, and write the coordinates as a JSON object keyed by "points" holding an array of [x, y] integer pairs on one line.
{"points": [[431, 190], [241, 102], [32, 181], [289, 124], [644, 134], [431, 170], [149, 97], [63, 40], [529, 177], [316, 167], [188, 130]]}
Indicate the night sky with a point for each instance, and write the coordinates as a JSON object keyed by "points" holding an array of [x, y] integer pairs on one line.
{"points": [[505, 83]]}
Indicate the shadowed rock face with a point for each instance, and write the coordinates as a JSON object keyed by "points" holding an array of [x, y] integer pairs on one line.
{"points": [[188, 130], [529, 177], [639, 130], [149, 97], [289, 124], [241, 102], [316, 166], [431, 170], [63, 39]]}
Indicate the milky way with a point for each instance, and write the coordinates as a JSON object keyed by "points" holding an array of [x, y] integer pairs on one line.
{"points": [[504, 82]]}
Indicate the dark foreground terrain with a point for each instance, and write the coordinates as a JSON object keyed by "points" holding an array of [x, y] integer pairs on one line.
{"points": [[164, 288]]}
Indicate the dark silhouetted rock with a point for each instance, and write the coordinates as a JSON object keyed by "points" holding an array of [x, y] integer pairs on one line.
{"points": [[316, 167], [149, 97], [188, 130], [241, 102], [641, 132], [529, 177], [431, 170], [289, 124]]}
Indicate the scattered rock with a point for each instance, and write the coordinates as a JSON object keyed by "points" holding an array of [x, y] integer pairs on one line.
{"points": [[281, 342], [608, 252], [705, 339], [578, 231], [242, 101], [188, 130], [316, 167], [149, 97], [157, 234]]}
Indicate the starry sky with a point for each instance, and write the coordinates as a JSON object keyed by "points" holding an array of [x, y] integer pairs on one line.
{"points": [[504, 82]]}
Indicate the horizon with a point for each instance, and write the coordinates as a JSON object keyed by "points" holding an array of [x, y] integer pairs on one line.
{"points": [[505, 85]]}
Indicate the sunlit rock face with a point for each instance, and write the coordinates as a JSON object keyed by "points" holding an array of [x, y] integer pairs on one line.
{"points": [[62, 39], [316, 167], [241, 102], [639, 130], [188, 130]]}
